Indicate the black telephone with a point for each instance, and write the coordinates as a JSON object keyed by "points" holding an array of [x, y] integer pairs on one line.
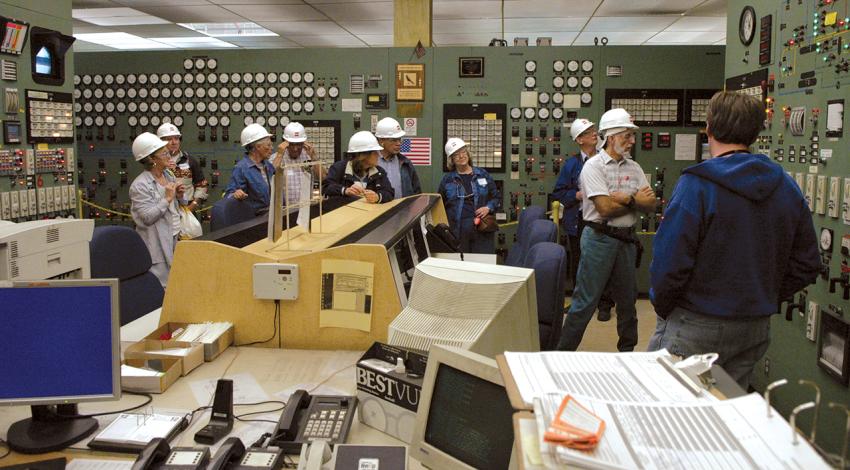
{"points": [[221, 418], [232, 455], [158, 455], [309, 417]]}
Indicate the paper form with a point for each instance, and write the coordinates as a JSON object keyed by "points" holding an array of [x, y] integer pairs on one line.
{"points": [[628, 377], [246, 389], [95, 464], [347, 294], [138, 428], [686, 147]]}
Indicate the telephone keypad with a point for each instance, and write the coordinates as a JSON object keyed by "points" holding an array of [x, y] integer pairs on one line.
{"points": [[325, 424]]}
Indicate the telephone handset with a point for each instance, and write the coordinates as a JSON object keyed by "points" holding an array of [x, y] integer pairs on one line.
{"points": [[307, 417], [228, 455], [152, 455], [232, 455], [158, 455]]}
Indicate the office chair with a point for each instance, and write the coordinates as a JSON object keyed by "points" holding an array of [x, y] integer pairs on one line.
{"points": [[229, 211], [517, 253], [549, 262]]}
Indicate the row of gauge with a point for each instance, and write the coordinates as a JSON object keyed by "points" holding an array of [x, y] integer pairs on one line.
{"points": [[211, 92], [199, 107], [189, 78], [200, 121]]}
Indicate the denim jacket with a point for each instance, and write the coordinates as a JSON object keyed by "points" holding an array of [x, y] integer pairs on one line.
{"points": [[247, 177], [409, 179], [452, 191]]}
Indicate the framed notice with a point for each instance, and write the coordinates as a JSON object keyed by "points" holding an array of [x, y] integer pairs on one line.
{"points": [[410, 82], [470, 67]]}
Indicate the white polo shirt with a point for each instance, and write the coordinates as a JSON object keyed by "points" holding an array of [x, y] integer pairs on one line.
{"points": [[602, 175]]}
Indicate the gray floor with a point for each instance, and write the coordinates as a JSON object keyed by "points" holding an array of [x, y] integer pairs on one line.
{"points": [[601, 336]]}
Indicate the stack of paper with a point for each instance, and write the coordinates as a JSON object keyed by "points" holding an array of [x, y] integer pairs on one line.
{"points": [[203, 332]]}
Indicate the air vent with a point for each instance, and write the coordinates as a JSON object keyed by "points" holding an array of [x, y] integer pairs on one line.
{"points": [[614, 70], [14, 249], [15, 270], [52, 235]]}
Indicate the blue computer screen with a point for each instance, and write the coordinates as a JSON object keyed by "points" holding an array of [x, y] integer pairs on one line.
{"points": [[44, 62], [56, 342]]}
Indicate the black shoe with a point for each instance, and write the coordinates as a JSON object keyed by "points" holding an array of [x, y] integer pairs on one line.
{"points": [[604, 314]]}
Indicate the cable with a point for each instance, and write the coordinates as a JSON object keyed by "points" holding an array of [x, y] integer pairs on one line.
{"points": [[329, 377], [274, 333], [8, 449], [106, 413]]}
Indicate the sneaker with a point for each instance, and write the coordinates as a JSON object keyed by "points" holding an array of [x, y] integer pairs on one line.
{"points": [[604, 314]]}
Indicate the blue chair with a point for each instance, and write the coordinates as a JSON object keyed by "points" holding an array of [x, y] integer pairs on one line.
{"points": [[519, 249], [549, 262], [118, 251], [541, 230], [229, 211]]}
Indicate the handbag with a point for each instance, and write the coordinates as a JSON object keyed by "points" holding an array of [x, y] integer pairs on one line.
{"points": [[190, 227], [486, 224]]}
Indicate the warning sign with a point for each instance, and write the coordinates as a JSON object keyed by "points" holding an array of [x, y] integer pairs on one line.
{"points": [[410, 127]]}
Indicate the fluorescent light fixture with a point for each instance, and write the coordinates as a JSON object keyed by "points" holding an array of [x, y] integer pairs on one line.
{"points": [[121, 41], [194, 43], [229, 29], [115, 16]]}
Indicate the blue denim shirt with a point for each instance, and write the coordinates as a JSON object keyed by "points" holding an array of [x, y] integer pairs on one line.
{"points": [[248, 177], [565, 191], [452, 191]]}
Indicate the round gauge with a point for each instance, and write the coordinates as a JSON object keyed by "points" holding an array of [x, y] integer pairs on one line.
{"points": [[178, 107], [98, 93], [155, 107], [143, 107], [188, 78], [529, 113], [260, 77], [333, 92], [120, 93], [153, 78], [120, 79], [235, 77], [248, 120], [89, 121], [77, 80], [155, 121], [224, 92], [78, 108], [284, 77], [166, 107], [224, 107], [586, 98], [543, 97], [98, 107], [188, 63], [826, 239], [200, 63], [143, 79], [223, 78], [189, 92], [132, 107], [543, 113], [260, 107], [516, 113], [143, 93], [747, 25], [587, 66], [78, 121], [154, 92], [178, 121], [247, 77], [557, 113], [77, 93], [272, 107], [212, 92], [200, 92], [143, 121], [309, 77], [166, 119], [109, 79], [86, 79], [272, 121], [131, 93], [97, 79], [260, 92], [225, 121], [201, 106], [131, 79], [212, 78], [260, 120], [88, 107], [165, 79], [236, 92], [296, 77], [572, 66], [176, 78], [87, 93], [236, 107], [110, 121], [530, 82], [132, 120], [586, 82], [296, 107], [558, 82], [272, 93], [110, 107], [284, 107], [189, 107], [121, 107], [213, 121], [271, 77], [309, 92], [284, 121], [296, 92], [212, 64], [201, 121], [178, 92], [248, 106], [284, 92], [248, 92], [309, 107], [98, 121], [109, 93], [572, 82], [200, 78], [321, 92], [530, 66], [558, 66]]}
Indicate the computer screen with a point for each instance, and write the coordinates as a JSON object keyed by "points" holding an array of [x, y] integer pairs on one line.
{"points": [[60, 347], [464, 418], [44, 61], [485, 308]]}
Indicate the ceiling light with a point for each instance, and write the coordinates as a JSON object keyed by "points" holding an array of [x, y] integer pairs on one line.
{"points": [[115, 16], [121, 41], [194, 43], [229, 29]]}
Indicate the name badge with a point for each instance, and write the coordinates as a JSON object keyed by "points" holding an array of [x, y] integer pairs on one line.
{"points": [[482, 181], [183, 166]]}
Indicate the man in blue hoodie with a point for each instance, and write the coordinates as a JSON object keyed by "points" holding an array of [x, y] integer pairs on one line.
{"points": [[737, 239]]}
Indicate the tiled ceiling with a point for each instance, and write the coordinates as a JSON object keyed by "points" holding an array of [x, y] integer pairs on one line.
{"points": [[369, 23]]}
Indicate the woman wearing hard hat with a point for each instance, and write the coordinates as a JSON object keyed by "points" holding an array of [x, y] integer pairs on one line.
{"points": [[185, 167], [251, 177], [469, 195], [359, 175], [153, 203]]}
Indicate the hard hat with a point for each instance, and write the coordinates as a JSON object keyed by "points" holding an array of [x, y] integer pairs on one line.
{"points": [[252, 133], [294, 132], [146, 144], [453, 145], [578, 126], [363, 141], [617, 117], [388, 128], [168, 130]]}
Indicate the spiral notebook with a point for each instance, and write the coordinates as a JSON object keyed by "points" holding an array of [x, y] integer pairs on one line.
{"points": [[130, 432]]}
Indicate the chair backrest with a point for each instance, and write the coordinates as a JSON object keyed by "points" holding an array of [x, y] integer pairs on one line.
{"points": [[549, 262], [119, 252], [520, 247], [542, 230], [229, 211]]}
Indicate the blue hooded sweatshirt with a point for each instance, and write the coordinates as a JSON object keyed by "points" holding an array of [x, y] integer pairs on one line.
{"points": [[737, 239]]}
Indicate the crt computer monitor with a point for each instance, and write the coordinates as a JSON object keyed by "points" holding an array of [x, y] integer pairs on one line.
{"points": [[60, 346], [465, 419], [485, 308]]}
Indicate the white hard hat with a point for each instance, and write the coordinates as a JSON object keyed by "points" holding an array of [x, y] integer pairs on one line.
{"points": [[617, 117], [578, 126], [388, 128], [168, 130], [363, 141], [146, 144], [294, 132], [453, 145], [252, 133]]}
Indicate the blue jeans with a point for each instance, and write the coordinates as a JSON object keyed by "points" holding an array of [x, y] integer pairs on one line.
{"points": [[473, 241], [740, 341], [602, 259]]}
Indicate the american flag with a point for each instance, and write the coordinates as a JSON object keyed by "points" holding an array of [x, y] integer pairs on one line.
{"points": [[417, 149]]}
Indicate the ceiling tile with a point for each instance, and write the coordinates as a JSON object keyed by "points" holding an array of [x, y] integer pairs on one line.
{"points": [[259, 13], [85, 46], [317, 2], [157, 3], [467, 26], [464, 9], [358, 11], [83, 27], [341, 40], [81, 13], [368, 27], [193, 14], [255, 2], [463, 39], [655, 23], [699, 23], [645, 7], [549, 9], [377, 40], [205, 42], [531, 25], [681, 37], [711, 8], [161, 31], [259, 42], [303, 27], [615, 38], [94, 4]]}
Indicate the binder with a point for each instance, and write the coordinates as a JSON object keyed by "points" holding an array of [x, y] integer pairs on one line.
{"points": [[129, 433]]}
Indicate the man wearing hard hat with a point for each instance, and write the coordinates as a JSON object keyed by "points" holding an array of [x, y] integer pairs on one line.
{"points": [[251, 177], [185, 167], [399, 169], [615, 188], [295, 149]]}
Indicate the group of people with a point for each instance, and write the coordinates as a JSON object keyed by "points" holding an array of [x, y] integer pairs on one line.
{"points": [[736, 239]]}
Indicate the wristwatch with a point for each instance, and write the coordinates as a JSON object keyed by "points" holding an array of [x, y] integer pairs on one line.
{"points": [[631, 203]]}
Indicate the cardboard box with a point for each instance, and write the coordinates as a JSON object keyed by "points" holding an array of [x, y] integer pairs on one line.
{"points": [[151, 348], [388, 399], [170, 367], [211, 350]]}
